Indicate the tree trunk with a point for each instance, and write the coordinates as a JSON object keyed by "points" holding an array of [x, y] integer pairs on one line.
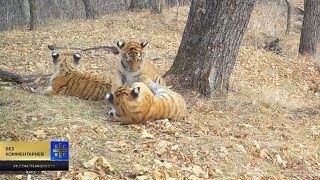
{"points": [[156, 6], [126, 3], [210, 44], [171, 3], [139, 4], [318, 30], [91, 13], [183, 2], [25, 11], [310, 25], [289, 12], [33, 14]]}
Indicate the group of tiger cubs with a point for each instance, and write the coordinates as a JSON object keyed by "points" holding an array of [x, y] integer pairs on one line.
{"points": [[137, 93]]}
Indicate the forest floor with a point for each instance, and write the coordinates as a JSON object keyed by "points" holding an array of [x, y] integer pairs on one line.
{"points": [[268, 127]]}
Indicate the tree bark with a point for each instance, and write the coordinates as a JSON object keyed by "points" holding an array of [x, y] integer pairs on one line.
{"points": [[289, 12], [156, 6], [91, 13], [33, 14], [210, 44], [171, 3], [139, 4], [25, 10], [310, 25], [183, 2]]}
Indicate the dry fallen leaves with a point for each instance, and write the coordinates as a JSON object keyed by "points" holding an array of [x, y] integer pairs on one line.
{"points": [[258, 73], [40, 134], [282, 162], [314, 133], [139, 169], [197, 170], [98, 165], [264, 154], [146, 134], [161, 147]]}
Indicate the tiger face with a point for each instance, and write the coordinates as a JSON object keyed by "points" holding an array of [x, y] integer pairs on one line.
{"points": [[130, 104], [132, 55], [130, 96], [133, 65]]}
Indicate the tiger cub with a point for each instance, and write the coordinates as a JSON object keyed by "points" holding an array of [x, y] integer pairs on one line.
{"points": [[68, 80], [133, 64], [145, 102]]}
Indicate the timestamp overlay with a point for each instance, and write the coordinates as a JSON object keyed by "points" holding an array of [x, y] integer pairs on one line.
{"points": [[34, 155]]}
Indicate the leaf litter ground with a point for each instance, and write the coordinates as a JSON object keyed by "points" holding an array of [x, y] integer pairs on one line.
{"points": [[268, 127]]}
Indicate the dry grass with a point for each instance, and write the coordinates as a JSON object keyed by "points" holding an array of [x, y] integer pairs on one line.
{"points": [[267, 128]]}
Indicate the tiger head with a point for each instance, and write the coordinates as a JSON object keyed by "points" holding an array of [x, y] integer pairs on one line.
{"points": [[64, 62], [127, 100], [132, 54]]}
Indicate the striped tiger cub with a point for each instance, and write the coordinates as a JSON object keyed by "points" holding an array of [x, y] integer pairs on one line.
{"points": [[68, 80], [145, 102], [133, 64]]}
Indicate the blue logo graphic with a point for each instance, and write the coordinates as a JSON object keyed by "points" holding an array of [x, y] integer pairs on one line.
{"points": [[60, 150]]}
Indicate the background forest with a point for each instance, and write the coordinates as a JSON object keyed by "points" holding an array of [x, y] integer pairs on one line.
{"points": [[266, 128]]}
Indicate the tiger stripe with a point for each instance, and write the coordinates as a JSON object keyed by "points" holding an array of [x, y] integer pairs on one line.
{"points": [[68, 80], [151, 103], [133, 65]]}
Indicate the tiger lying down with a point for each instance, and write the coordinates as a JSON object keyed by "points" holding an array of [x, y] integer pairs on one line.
{"points": [[145, 102], [68, 80]]}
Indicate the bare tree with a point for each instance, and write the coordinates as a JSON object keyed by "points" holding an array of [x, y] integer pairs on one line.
{"points": [[139, 4], [25, 10], [171, 3], [33, 14], [183, 2], [16, 13], [90, 10], [310, 25], [154, 6], [289, 12], [210, 44]]}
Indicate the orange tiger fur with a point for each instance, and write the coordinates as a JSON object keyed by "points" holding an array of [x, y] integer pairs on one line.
{"points": [[133, 64], [68, 80], [145, 102]]}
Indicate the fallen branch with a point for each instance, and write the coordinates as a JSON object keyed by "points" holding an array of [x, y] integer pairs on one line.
{"points": [[18, 78], [112, 49], [54, 47]]}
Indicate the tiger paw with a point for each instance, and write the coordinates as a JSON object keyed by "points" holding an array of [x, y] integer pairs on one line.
{"points": [[49, 91]]}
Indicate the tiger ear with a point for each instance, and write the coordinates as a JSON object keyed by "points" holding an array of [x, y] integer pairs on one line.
{"points": [[135, 92], [120, 44], [55, 56], [143, 44], [109, 98], [76, 58]]}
